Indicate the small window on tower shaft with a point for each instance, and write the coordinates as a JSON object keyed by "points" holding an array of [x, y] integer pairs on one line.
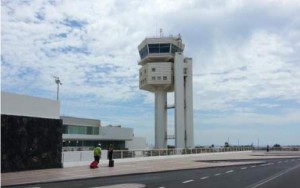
{"points": [[164, 78], [185, 71], [158, 78], [153, 77], [153, 69]]}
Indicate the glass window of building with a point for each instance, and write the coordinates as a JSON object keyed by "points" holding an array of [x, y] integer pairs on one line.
{"points": [[153, 69], [96, 130], [89, 130], [144, 52], [158, 78], [65, 129], [159, 48], [174, 49], [185, 71], [72, 129], [164, 78], [153, 77], [164, 48], [153, 48]]}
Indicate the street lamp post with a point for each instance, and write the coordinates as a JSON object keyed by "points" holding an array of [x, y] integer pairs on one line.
{"points": [[58, 82]]}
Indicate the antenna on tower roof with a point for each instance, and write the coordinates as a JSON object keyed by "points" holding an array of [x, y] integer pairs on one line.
{"points": [[156, 30], [161, 32]]}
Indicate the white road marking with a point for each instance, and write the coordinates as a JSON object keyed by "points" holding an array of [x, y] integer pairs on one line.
{"points": [[188, 181], [243, 168], [230, 171], [268, 164], [272, 177], [205, 177], [253, 166], [293, 159], [218, 174], [279, 162]]}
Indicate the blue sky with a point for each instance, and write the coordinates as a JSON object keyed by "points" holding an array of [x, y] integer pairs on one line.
{"points": [[246, 58]]}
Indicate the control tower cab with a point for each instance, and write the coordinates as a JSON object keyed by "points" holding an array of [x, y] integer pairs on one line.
{"points": [[165, 69], [157, 60]]}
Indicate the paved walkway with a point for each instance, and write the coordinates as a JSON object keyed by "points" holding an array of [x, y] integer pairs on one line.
{"points": [[133, 166]]}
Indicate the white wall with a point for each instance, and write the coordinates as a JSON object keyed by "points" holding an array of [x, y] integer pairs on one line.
{"points": [[22, 105]]}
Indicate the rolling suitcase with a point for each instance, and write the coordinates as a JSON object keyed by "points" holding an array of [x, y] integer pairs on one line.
{"points": [[111, 163], [94, 164]]}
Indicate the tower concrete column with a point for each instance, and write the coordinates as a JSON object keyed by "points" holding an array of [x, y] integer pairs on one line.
{"points": [[179, 101], [189, 123], [160, 119]]}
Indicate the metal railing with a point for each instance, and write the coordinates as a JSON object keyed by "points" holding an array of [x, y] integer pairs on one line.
{"points": [[79, 156], [120, 154]]}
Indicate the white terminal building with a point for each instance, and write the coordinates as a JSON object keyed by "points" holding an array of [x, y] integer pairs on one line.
{"points": [[166, 69], [77, 133]]}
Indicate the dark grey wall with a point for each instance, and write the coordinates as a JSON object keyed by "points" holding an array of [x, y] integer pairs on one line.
{"points": [[30, 143]]}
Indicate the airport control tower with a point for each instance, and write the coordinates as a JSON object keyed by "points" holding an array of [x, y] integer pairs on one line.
{"points": [[165, 69]]}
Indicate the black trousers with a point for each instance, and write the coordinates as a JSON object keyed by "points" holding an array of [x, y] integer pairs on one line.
{"points": [[97, 158], [110, 155]]}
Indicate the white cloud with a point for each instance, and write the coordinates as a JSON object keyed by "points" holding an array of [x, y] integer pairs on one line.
{"points": [[257, 69], [243, 52]]}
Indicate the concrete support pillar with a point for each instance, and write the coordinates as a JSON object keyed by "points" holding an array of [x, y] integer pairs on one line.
{"points": [[179, 101], [189, 123], [160, 119]]}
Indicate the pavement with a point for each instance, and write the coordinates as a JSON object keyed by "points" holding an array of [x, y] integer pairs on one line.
{"points": [[139, 166]]}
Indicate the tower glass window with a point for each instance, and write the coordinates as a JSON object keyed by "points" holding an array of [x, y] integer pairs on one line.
{"points": [[153, 48], [144, 52], [175, 49], [159, 48], [164, 48]]}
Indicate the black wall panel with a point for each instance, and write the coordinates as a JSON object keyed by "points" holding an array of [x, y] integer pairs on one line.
{"points": [[29, 143]]}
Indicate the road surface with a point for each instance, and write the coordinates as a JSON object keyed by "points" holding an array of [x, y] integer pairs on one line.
{"points": [[273, 173]]}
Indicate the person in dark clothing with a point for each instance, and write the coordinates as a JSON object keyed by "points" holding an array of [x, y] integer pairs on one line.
{"points": [[110, 152]]}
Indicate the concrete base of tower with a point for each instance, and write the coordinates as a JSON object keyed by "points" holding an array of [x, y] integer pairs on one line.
{"points": [[160, 119]]}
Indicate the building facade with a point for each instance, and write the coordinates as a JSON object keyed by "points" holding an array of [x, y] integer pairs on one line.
{"points": [[77, 133], [31, 133], [83, 133]]}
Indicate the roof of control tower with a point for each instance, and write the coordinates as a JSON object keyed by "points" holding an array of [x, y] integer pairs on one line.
{"points": [[159, 49]]}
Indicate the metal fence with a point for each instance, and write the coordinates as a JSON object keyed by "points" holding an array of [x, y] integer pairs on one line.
{"points": [[79, 156], [120, 154]]}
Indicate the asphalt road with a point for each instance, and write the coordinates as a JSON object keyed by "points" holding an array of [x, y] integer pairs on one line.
{"points": [[275, 173]]}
